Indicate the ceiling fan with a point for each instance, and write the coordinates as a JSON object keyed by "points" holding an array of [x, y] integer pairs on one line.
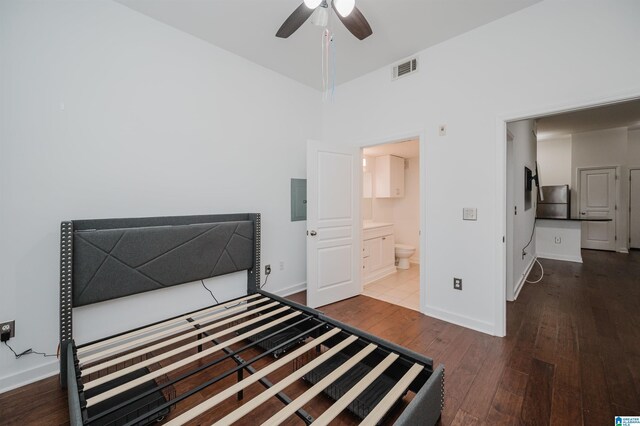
{"points": [[346, 10]]}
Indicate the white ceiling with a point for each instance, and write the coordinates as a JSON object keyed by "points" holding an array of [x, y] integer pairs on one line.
{"points": [[406, 149], [624, 114], [400, 29]]}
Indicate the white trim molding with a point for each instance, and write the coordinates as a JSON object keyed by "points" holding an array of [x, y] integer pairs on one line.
{"points": [[292, 289], [29, 376]]}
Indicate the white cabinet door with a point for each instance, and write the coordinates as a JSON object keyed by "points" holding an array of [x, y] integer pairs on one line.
{"points": [[598, 201], [389, 176], [333, 220], [375, 253], [388, 251], [397, 176]]}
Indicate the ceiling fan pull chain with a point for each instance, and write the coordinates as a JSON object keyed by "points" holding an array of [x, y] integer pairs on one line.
{"points": [[333, 66], [325, 63]]}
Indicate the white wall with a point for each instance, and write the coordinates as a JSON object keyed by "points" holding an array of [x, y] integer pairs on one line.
{"points": [[523, 155], [155, 122], [539, 59], [554, 161], [608, 147]]}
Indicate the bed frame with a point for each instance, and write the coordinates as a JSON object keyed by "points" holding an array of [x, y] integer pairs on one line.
{"points": [[129, 378]]}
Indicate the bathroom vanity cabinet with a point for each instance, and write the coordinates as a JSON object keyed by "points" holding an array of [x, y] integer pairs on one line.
{"points": [[378, 252], [389, 176]]}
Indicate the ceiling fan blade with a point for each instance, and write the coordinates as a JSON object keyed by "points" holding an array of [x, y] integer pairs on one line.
{"points": [[294, 21], [356, 23]]}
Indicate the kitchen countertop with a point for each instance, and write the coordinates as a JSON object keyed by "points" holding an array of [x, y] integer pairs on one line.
{"points": [[577, 219], [373, 225]]}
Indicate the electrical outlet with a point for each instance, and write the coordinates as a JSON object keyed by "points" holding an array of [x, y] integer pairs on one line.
{"points": [[457, 283], [282, 265], [267, 269], [8, 327], [442, 130]]}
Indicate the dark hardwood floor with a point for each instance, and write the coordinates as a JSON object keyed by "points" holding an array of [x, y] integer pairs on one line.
{"points": [[571, 357]]}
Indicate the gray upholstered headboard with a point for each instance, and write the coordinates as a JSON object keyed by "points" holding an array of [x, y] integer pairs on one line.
{"points": [[105, 259]]}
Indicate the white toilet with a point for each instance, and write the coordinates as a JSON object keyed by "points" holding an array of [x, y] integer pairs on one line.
{"points": [[403, 253]]}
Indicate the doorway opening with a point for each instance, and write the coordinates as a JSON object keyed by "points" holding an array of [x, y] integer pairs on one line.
{"points": [[391, 221], [570, 193]]}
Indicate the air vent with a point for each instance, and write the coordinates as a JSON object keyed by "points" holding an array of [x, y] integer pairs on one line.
{"points": [[405, 68]]}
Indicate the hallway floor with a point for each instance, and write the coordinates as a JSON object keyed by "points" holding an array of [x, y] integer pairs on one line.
{"points": [[401, 288]]}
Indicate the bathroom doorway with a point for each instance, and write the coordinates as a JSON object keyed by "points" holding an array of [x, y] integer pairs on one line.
{"points": [[391, 222]]}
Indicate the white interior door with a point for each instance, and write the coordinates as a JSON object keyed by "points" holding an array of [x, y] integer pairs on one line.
{"points": [[598, 201], [634, 208], [333, 223]]}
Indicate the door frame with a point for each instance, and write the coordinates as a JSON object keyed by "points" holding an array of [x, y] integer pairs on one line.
{"points": [[500, 221], [418, 134], [631, 168], [618, 205]]}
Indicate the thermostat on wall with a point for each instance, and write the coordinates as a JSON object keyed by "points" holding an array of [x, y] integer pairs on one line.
{"points": [[469, 213]]}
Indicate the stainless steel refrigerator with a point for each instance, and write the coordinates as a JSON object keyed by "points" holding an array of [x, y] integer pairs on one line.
{"points": [[556, 203]]}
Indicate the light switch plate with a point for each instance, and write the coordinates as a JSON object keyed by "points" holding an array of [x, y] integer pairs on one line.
{"points": [[469, 213]]}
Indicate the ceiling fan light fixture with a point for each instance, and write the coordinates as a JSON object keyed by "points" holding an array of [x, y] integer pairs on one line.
{"points": [[344, 7], [312, 4], [320, 17]]}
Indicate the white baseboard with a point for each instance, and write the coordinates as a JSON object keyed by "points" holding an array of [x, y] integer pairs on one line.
{"points": [[516, 290], [461, 320], [624, 251], [296, 288], [379, 275], [28, 376], [577, 259]]}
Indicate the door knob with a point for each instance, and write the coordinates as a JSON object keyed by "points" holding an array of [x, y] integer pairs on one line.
{"points": [[313, 233], [582, 213]]}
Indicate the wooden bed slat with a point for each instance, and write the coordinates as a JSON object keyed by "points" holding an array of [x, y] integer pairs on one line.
{"points": [[232, 390], [245, 409], [176, 339], [176, 351], [307, 396], [392, 396], [157, 336], [346, 399], [90, 348], [174, 366]]}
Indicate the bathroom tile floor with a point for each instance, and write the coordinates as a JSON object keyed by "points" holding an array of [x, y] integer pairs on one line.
{"points": [[401, 288]]}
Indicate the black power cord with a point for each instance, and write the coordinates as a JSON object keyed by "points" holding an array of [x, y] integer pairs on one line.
{"points": [[533, 231], [210, 292], [28, 352], [266, 278], [214, 297]]}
